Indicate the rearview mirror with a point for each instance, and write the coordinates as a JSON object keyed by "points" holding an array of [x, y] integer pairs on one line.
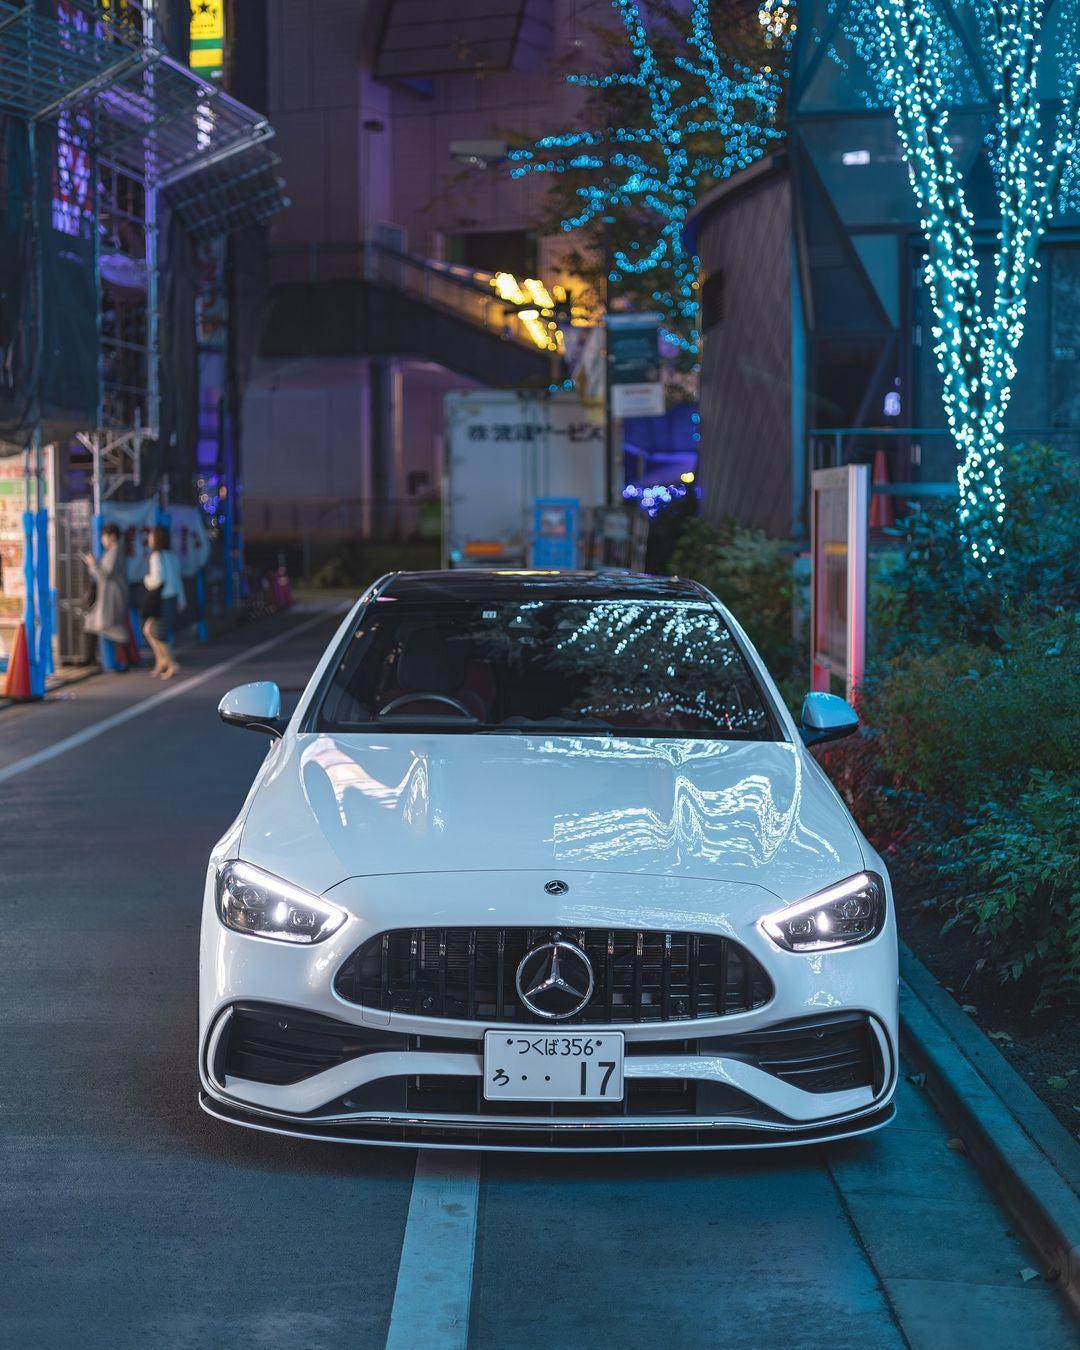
{"points": [[826, 718], [255, 706]]}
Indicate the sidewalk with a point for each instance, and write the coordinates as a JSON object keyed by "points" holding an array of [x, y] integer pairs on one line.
{"points": [[314, 602], [1025, 1155], [64, 676], [68, 675]]}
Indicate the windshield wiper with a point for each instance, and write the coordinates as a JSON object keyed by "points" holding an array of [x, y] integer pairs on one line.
{"points": [[527, 726]]}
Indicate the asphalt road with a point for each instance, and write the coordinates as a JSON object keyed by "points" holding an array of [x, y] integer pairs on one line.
{"points": [[130, 1219]]}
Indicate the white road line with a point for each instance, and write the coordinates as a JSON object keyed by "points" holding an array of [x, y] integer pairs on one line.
{"points": [[434, 1283], [148, 704]]}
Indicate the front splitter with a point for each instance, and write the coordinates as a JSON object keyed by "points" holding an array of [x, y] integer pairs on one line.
{"points": [[642, 1137]]}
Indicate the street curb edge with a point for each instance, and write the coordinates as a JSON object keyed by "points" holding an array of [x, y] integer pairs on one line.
{"points": [[1027, 1165]]}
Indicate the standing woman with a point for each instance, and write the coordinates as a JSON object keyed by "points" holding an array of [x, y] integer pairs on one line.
{"points": [[107, 616], [164, 600]]}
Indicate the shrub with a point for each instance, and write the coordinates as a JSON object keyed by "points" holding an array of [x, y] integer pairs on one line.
{"points": [[933, 593], [967, 722], [1016, 867], [752, 574], [968, 765]]}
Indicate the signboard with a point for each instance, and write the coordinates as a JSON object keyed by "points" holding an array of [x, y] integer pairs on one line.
{"points": [[839, 506], [12, 496], [633, 354], [12, 529], [637, 400], [207, 37], [555, 533]]}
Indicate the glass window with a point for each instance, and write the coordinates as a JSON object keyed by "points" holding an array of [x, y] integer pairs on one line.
{"points": [[639, 667]]}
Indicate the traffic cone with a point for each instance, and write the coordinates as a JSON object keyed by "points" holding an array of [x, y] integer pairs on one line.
{"points": [[17, 684], [881, 507]]}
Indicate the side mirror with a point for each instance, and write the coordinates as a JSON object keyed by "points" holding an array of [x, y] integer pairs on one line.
{"points": [[826, 718], [254, 706]]}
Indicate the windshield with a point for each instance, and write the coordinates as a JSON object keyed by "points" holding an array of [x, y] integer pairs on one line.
{"points": [[642, 668]]}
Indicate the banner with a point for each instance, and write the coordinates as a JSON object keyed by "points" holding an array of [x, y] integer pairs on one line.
{"points": [[187, 535], [135, 520], [189, 539], [633, 342]]}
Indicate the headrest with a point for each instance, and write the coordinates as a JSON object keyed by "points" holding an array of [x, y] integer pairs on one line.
{"points": [[431, 662]]}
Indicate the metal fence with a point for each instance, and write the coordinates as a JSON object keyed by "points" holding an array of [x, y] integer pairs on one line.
{"points": [[918, 461], [308, 532], [71, 541]]}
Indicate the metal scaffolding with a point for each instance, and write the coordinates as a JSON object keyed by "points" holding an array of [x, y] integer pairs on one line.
{"points": [[158, 135]]}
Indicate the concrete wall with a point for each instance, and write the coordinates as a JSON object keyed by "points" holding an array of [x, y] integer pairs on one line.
{"points": [[308, 426], [343, 176], [306, 430], [320, 92]]}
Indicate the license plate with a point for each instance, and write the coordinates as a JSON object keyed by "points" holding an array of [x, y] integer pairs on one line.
{"points": [[539, 1066]]}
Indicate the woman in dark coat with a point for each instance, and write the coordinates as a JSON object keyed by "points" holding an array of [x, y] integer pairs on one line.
{"points": [[107, 616]]}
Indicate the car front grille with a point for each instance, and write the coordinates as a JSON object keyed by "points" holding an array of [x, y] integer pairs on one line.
{"points": [[641, 975]]}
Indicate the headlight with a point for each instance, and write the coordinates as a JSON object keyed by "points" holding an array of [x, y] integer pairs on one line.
{"points": [[850, 912], [253, 902]]}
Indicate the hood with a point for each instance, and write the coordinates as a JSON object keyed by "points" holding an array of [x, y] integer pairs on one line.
{"points": [[332, 807]]}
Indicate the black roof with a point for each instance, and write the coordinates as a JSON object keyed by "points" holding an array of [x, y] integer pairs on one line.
{"points": [[482, 584]]}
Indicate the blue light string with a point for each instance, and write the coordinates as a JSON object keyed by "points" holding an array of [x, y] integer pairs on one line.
{"points": [[705, 94]]}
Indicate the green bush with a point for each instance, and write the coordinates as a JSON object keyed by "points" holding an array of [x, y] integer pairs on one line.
{"points": [[752, 574], [968, 764], [967, 722], [360, 562], [1016, 867], [933, 594]]}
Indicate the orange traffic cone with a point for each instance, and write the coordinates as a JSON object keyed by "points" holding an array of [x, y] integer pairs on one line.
{"points": [[881, 507], [17, 684]]}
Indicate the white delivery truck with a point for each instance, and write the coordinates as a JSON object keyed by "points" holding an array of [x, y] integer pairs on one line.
{"points": [[507, 451]]}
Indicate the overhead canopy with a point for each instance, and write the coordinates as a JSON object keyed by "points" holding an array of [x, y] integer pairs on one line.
{"points": [[151, 115], [420, 39], [228, 194]]}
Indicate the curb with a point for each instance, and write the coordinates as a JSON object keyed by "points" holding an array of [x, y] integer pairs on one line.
{"points": [[1026, 1156]]}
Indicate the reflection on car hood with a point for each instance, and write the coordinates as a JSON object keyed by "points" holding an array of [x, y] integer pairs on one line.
{"points": [[331, 807]]}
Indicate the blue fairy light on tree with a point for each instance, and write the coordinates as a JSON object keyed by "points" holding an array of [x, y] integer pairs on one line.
{"points": [[916, 62], [676, 117]]}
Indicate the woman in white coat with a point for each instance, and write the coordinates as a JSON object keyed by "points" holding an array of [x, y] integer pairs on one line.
{"points": [[164, 600]]}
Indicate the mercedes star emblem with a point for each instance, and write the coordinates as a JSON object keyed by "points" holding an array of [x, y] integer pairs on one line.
{"points": [[555, 980], [556, 887]]}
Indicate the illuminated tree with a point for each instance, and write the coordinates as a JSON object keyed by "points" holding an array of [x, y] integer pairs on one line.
{"points": [[679, 117], [980, 313]]}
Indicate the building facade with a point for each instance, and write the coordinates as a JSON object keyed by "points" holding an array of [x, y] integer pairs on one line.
{"points": [[741, 232], [393, 121]]}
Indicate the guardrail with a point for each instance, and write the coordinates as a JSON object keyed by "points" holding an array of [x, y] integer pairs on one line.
{"points": [[920, 461]]}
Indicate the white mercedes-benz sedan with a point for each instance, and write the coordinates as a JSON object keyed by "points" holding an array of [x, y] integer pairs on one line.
{"points": [[541, 861]]}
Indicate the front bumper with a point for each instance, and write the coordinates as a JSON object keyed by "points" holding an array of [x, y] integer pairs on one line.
{"points": [[406, 1079], [271, 1067]]}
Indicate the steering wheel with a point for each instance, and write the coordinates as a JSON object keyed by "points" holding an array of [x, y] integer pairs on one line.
{"points": [[403, 700]]}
